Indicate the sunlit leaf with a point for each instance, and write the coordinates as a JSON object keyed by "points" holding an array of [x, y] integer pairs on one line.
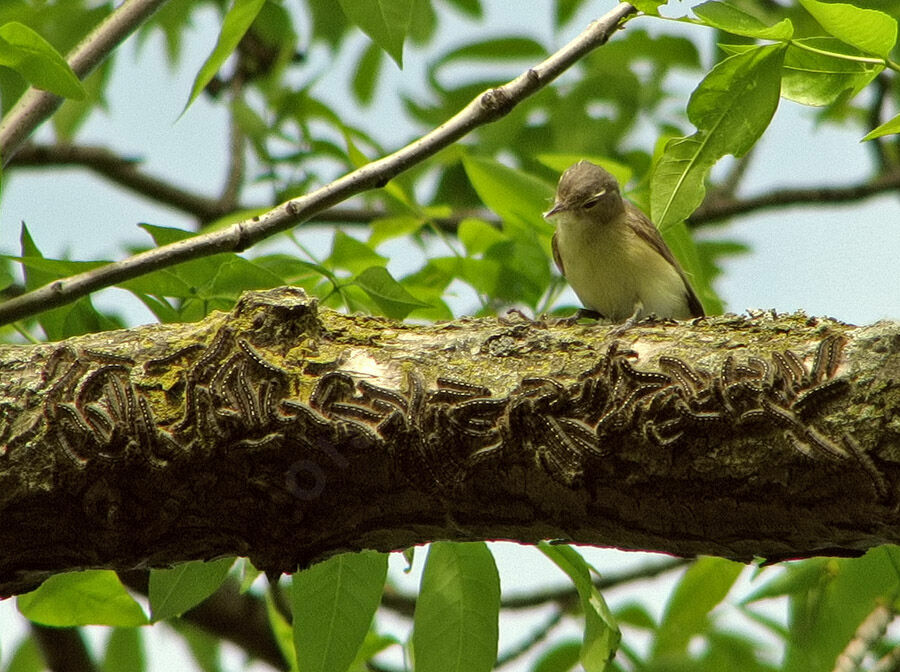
{"points": [[389, 294], [869, 30], [385, 21], [601, 632], [702, 587], [37, 61], [455, 626], [124, 651], [561, 657], [352, 255], [365, 76], [236, 23], [177, 590], [887, 128], [736, 21], [94, 597], [731, 108], [333, 603]]}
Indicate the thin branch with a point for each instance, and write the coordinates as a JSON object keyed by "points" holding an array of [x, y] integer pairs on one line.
{"points": [[537, 636], [123, 171], [405, 603], [63, 649], [715, 210], [35, 106], [882, 85], [236, 158], [488, 106]]}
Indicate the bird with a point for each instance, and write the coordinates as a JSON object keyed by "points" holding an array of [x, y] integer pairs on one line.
{"points": [[612, 255]]}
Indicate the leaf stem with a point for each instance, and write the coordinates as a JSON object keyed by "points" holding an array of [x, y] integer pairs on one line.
{"points": [[886, 62]]}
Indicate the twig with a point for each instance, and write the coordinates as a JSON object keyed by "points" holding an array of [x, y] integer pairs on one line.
{"points": [[404, 604], [537, 636], [123, 171], [35, 105], [236, 159], [714, 210], [126, 172], [488, 106], [882, 85]]}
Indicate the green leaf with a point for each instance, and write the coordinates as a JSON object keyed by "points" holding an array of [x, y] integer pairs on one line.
{"points": [[830, 600], [601, 632], [124, 651], [650, 7], [352, 255], [469, 7], [869, 30], [374, 644], [365, 76], [455, 626], [701, 588], [73, 319], [93, 597], [731, 108], [478, 236], [26, 657], [514, 195], [811, 78], [237, 21], [282, 631], [180, 589], [204, 648], [333, 604], [565, 11], [37, 61], [635, 615], [388, 228], [562, 657], [385, 21], [681, 242], [389, 294], [737, 22], [887, 128], [495, 50]]}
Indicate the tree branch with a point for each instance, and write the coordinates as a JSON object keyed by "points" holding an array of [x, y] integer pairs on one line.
{"points": [[405, 604], [36, 105], [716, 209], [125, 172], [487, 107], [733, 436]]}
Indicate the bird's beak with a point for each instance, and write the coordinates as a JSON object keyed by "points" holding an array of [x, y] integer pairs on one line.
{"points": [[556, 209]]}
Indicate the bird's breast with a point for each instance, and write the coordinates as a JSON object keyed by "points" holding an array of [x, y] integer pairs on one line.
{"points": [[614, 272]]}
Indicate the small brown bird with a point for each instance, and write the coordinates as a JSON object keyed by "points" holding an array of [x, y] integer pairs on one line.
{"points": [[612, 254]]}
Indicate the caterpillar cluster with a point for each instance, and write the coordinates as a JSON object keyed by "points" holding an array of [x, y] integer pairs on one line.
{"points": [[236, 399]]}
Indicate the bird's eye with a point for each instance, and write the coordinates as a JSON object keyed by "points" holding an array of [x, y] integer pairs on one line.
{"points": [[594, 200]]}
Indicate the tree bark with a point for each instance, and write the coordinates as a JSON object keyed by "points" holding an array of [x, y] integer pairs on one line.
{"points": [[287, 434]]}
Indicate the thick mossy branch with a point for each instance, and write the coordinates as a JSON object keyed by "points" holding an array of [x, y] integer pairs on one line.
{"points": [[287, 434]]}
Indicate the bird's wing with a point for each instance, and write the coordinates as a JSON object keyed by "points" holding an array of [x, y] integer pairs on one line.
{"points": [[556, 257], [648, 232]]}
